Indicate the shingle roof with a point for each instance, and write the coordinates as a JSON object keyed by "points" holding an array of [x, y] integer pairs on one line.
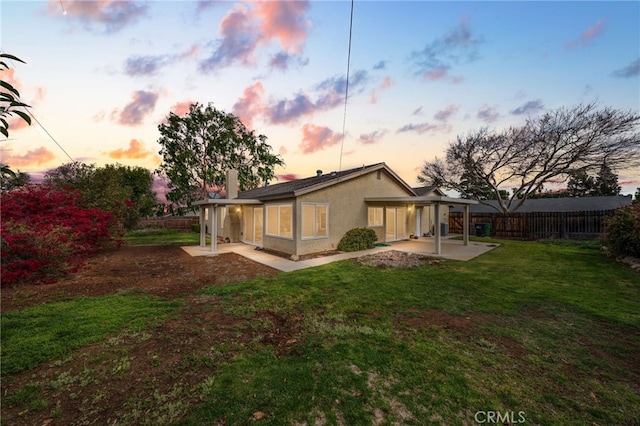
{"points": [[292, 188], [567, 204], [425, 190]]}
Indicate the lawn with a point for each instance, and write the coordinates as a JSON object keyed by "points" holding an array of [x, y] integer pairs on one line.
{"points": [[529, 332]]}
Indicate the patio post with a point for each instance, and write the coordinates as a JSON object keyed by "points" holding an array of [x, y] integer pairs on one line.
{"points": [[213, 228], [465, 224], [203, 231], [437, 227]]}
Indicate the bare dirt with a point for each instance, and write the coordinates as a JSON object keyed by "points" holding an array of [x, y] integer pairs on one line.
{"points": [[155, 376]]}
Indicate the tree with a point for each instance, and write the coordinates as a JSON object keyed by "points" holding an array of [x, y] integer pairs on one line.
{"points": [[10, 180], [126, 192], [580, 184], [606, 182], [10, 102], [199, 147], [544, 149]]}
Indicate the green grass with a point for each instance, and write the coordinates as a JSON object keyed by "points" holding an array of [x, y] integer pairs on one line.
{"points": [[554, 333], [162, 236], [51, 330], [360, 355]]}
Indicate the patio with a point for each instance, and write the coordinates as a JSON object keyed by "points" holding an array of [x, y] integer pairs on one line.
{"points": [[450, 249]]}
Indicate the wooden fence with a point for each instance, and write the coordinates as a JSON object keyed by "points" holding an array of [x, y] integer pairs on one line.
{"points": [[182, 223], [535, 225]]}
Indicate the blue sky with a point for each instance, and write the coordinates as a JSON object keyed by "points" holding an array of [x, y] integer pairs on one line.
{"points": [[101, 75]]}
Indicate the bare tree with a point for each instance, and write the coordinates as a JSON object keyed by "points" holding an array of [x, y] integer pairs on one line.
{"points": [[545, 149]]}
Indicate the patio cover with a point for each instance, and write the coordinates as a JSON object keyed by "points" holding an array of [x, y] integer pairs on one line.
{"points": [[212, 205], [437, 201]]}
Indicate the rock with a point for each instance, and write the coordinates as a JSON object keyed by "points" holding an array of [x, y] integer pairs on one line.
{"points": [[258, 415]]}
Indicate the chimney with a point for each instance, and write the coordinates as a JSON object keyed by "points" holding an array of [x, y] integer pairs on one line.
{"points": [[232, 184], [318, 173]]}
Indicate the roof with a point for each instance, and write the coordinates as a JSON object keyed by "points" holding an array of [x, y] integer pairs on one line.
{"points": [[565, 204], [298, 187], [426, 190]]}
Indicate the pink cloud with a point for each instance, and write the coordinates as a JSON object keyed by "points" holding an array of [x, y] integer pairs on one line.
{"points": [[133, 114], [283, 150], [243, 29], [488, 114], [135, 151], [435, 74], [34, 157], [386, 83], [113, 15], [317, 138], [250, 104], [588, 35], [181, 108], [191, 52], [372, 138], [284, 21], [445, 114], [288, 177]]}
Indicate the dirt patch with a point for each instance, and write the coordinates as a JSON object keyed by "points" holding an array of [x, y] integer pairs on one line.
{"points": [[150, 376], [466, 327], [397, 259], [161, 270]]}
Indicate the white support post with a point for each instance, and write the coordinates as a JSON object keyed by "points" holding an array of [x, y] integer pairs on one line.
{"points": [[213, 228], [465, 224], [203, 231], [437, 227]]}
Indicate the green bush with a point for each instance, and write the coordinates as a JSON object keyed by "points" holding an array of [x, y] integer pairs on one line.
{"points": [[358, 239], [622, 232]]}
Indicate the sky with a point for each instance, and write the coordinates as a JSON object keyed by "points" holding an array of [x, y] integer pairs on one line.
{"points": [[101, 75]]}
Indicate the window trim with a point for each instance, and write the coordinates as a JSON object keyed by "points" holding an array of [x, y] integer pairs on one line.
{"points": [[315, 216], [266, 224]]}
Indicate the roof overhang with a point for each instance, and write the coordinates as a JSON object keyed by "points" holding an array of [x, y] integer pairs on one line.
{"points": [[356, 174], [424, 200], [226, 202]]}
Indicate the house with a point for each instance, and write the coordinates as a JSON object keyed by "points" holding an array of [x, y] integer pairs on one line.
{"points": [[560, 204], [311, 215]]}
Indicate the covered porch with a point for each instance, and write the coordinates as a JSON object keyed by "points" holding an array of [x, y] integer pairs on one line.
{"points": [[439, 202], [209, 213]]}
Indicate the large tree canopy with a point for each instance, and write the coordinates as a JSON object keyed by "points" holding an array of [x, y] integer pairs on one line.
{"points": [[545, 149], [126, 192], [199, 147]]}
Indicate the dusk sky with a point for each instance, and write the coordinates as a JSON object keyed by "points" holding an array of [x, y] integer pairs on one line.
{"points": [[101, 75]]}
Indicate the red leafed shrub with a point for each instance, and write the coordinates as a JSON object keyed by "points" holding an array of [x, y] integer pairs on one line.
{"points": [[46, 233]]}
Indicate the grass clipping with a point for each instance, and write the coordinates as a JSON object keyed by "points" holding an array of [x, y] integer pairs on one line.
{"points": [[397, 259]]}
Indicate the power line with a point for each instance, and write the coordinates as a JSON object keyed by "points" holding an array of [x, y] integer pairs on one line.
{"points": [[346, 92], [52, 138], [40, 124]]}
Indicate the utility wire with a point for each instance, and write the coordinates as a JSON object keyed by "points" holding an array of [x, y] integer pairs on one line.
{"points": [[52, 138], [42, 127], [346, 92]]}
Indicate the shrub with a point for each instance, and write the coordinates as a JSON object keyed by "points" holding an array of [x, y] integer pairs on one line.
{"points": [[358, 239], [622, 232], [45, 233]]}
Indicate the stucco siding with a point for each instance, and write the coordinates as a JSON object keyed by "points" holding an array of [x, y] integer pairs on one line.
{"points": [[347, 208], [281, 244]]}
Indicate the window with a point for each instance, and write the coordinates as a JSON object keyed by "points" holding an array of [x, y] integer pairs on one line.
{"points": [[280, 220], [315, 220], [375, 216]]}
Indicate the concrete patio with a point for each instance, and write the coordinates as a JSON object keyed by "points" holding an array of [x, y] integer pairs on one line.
{"points": [[450, 249]]}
